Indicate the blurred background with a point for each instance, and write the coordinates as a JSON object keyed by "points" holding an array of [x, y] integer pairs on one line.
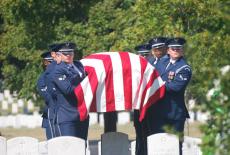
{"points": [[27, 27]]}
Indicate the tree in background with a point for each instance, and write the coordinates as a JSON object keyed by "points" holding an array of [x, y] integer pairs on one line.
{"points": [[28, 26], [216, 138], [27, 30]]}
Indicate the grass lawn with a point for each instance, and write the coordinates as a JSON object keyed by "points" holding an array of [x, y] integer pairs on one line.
{"points": [[95, 131]]}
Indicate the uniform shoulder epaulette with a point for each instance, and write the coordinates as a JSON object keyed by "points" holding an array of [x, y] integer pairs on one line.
{"points": [[186, 67]]}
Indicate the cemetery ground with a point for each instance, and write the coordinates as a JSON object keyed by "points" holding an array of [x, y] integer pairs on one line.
{"points": [[95, 131]]}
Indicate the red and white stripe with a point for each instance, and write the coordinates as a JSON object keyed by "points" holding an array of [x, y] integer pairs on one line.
{"points": [[118, 81]]}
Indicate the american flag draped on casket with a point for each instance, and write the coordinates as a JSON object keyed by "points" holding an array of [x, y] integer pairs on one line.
{"points": [[118, 81]]}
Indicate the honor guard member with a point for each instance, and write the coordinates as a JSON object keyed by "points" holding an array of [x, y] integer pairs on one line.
{"points": [[158, 50], [143, 50], [42, 89], [50, 87], [67, 75], [141, 127], [176, 74]]}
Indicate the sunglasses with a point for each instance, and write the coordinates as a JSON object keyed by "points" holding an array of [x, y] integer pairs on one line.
{"points": [[67, 53]]}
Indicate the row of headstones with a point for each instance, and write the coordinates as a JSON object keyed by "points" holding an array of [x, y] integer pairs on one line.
{"points": [[6, 94], [32, 121], [112, 143], [158, 144], [31, 146], [35, 120], [11, 104], [21, 120]]}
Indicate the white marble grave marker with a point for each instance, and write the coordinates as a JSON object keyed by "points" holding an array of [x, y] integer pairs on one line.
{"points": [[2, 145], [133, 147], [123, 117], [10, 99], [20, 103], [99, 147], [191, 146], [43, 148], [101, 119], [1, 97], [10, 121], [7, 93], [163, 144], [4, 105], [87, 149], [14, 108], [30, 105], [93, 118], [22, 146], [66, 145]]}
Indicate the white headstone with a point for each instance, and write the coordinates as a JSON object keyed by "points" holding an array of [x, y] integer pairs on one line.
{"points": [[87, 149], [20, 103], [7, 93], [191, 146], [22, 146], [10, 121], [163, 144], [92, 118], [114, 143], [2, 145], [191, 103], [4, 105], [133, 147], [31, 121], [21, 118], [43, 148], [15, 94], [10, 99], [202, 116], [101, 119], [14, 108], [192, 116], [191, 149], [123, 117], [99, 147], [1, 97], [66, 145], [3, 121], [30, 105], [37, 119], [18, 121], [196, 141]]}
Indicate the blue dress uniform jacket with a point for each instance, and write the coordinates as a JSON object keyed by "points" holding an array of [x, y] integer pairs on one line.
{"points": [[65, 78], [176, 77], [42, 90], [151, 60], [47, 115], [48, 78], [154, 61]]}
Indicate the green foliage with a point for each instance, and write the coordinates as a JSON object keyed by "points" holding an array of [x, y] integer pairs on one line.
{"points": [[217, 139], [27, 27]]}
